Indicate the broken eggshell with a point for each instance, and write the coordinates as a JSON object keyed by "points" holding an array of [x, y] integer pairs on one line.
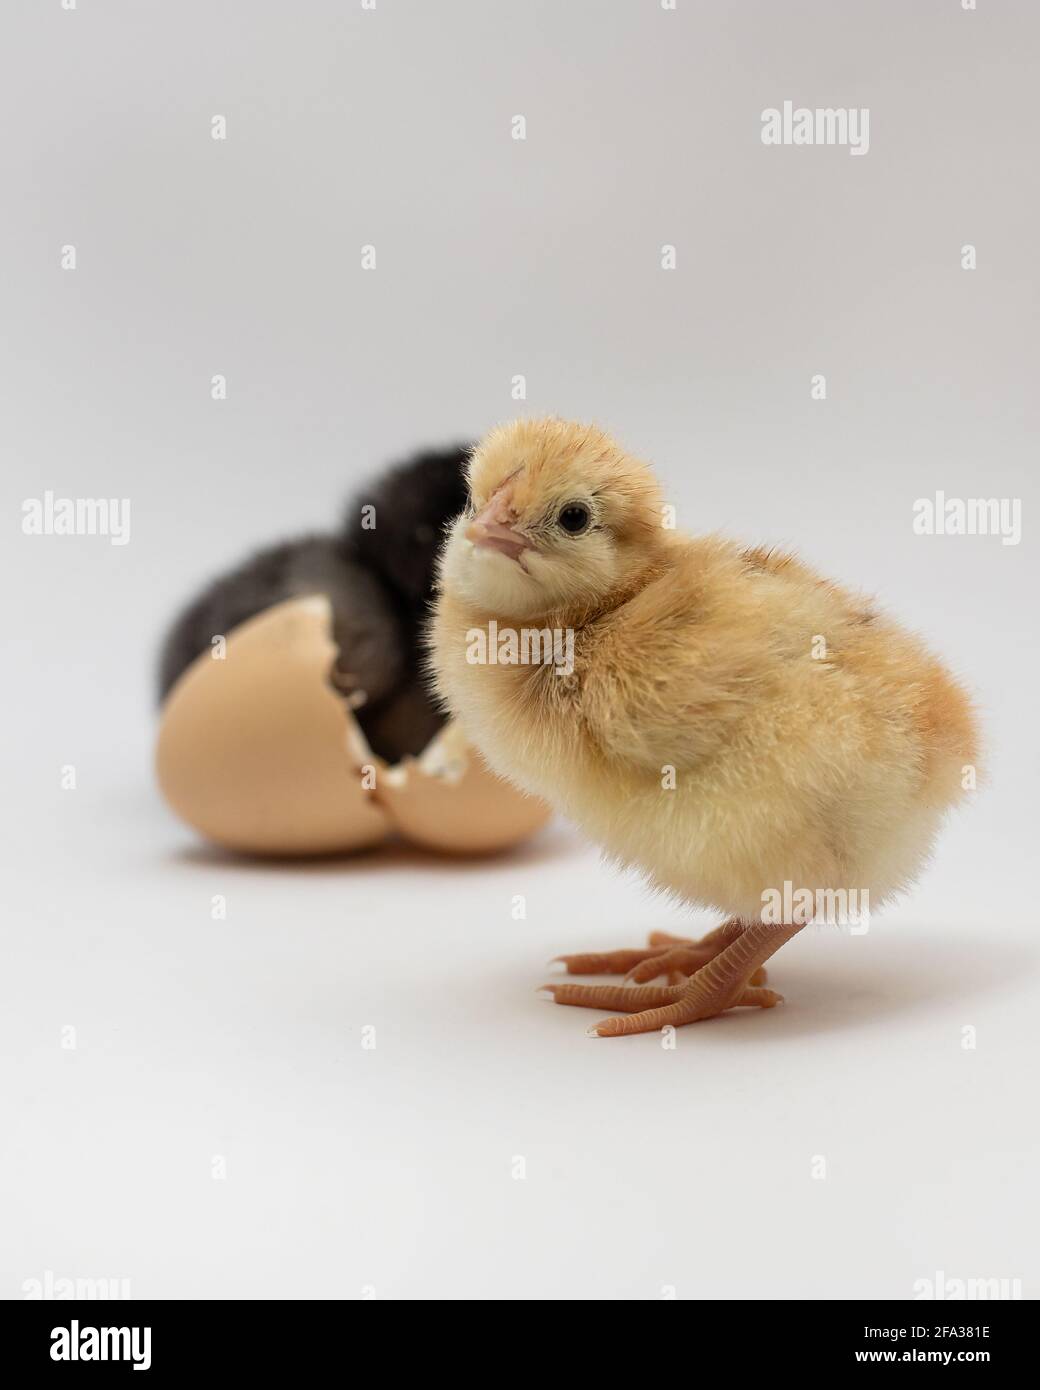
{"points": [[259, 753]]}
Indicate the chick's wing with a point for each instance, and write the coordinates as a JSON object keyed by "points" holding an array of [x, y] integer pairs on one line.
{"points": [[667, 670]]}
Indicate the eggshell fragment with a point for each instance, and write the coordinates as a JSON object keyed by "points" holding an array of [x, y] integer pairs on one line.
{"points": [[259, 753], [448, 799]]}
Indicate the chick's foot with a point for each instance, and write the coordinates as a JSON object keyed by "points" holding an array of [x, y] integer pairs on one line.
{"points": [[730, 980], [675, 957]]}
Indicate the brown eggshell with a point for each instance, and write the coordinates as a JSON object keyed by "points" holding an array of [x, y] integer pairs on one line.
{"points": [[257, 752], [449, 800]]}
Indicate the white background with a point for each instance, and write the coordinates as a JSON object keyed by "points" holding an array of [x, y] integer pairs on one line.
{"points": [[352, 1169]]}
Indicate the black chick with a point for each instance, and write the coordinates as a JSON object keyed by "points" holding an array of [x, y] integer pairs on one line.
{"points": [[378, 574]]}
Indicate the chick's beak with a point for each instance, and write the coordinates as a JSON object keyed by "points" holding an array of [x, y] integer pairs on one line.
{"points": [[493, 528]]}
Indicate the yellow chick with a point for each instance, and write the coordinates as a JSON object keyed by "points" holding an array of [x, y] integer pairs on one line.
{"points": [[742, 731]]}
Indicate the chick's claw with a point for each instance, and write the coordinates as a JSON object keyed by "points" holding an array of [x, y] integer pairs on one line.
{"points": [[680, 1011], [759, 998], [674, 957], [649, 1006], [661, 945], [615, 996], [608, 962], [673, 961]]}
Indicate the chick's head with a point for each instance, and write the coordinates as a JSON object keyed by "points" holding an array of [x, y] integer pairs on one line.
{"points": [[560, 519], [411, 505]]}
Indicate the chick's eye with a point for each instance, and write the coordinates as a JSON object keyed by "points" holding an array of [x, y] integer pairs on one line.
{"points": [[574, 518]]}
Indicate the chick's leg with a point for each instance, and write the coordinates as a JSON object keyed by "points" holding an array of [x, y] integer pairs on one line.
{"points": [[724, 983]]}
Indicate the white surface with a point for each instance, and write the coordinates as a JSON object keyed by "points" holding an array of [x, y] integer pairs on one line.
{"points": [[391, 1168]]}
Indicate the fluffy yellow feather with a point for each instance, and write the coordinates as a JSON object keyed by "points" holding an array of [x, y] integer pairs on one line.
{"points": [[730, 721]]}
